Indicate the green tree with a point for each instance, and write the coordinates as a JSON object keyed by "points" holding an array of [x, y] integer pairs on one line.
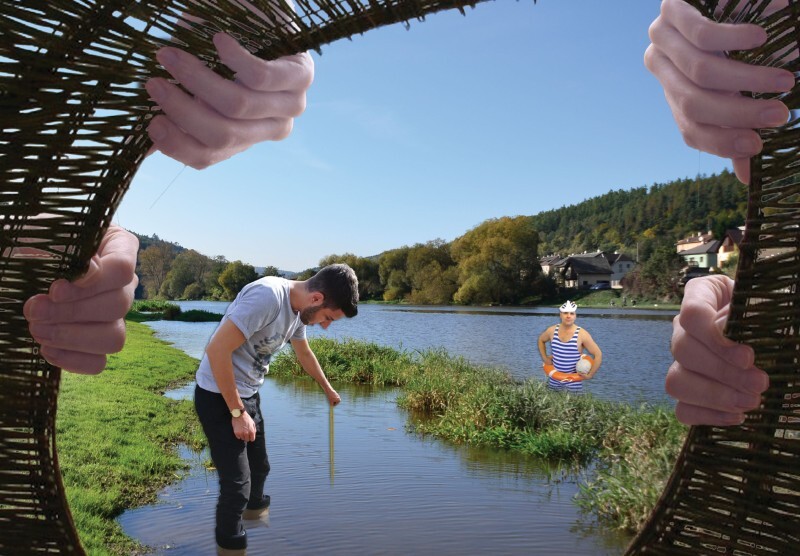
{"points": [[366, 269], [212, 287], [657, 278], [271, 271], [392, 273], [306, 274], [189, 267], [432, 273], [235, 277]]}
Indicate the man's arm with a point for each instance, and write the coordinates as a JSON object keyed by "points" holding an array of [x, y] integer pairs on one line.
{"points": [[588, 343], [220, 350], [545, 337], [702, 85], [311, 366]]}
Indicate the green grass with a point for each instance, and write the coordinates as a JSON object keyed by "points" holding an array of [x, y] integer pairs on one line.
{"points": [[117, 436], [632, 449]]}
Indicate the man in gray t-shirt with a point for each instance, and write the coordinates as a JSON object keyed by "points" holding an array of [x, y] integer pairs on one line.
{"points": [[264, 316]]}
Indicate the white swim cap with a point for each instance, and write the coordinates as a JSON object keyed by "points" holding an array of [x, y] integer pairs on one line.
{"points": [[568, 307]]}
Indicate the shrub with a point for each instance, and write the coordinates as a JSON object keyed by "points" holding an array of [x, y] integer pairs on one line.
{"points": [[171, 312]]}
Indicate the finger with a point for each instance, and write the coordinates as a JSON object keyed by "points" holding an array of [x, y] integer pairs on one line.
{"points": [[89, 338], [695, 389], [693, 415], [728, 366], [708, 35], [102, 308], [208, 126], [113, 273], [229, 98], [289, 73], [741, 167], [179, 145], [75, 362], [713, 71], [705, 307], [696, 103], [686, 99]]}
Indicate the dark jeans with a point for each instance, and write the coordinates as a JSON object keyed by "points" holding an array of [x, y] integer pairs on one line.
{"points": [[242, 466]]}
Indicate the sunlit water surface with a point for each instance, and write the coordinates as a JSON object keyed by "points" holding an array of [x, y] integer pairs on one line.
{"points": [[383, 490]]}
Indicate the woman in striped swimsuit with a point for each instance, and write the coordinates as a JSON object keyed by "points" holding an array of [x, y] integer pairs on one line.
{"points": [[567, 342]]}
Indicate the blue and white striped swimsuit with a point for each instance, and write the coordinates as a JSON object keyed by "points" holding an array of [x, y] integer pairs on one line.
{"points": [[565, 357]]}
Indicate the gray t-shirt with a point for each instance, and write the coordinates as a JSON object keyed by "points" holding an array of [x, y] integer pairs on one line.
{"points": [[263, 313]]}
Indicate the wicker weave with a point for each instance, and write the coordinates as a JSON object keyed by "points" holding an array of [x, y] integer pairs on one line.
{"points": [[736, 490], [74, 115]]}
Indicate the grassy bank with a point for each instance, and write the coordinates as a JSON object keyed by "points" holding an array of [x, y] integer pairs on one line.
{"points": [[117, 435], [633, 448]]}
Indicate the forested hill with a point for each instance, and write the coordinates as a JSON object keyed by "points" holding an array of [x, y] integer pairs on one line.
{"points": [[661, 213]]}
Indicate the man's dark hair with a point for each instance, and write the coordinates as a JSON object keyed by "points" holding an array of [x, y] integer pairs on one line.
{"points": [[339, 284]]}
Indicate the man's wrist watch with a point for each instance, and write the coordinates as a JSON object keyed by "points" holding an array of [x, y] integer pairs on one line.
{"points": [[237, 412]]}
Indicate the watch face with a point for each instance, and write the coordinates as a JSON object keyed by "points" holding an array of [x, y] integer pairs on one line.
{"points": [[236, 412]]}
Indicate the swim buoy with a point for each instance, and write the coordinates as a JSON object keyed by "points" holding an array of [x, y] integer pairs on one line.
{"points": [[560, 376]]}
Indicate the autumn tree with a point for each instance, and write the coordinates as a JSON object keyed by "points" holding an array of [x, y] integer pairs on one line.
{"points": [[497, 261]]}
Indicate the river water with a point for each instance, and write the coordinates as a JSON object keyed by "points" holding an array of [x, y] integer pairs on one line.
{"points": [[372, 487]]}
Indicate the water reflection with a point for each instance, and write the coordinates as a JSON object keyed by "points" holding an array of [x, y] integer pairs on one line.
{"points": [[394, 492]]}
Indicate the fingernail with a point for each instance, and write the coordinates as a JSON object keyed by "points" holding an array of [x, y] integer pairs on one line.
{"points": [[157, 130], [747, 401], [773, 117], [756, 382], [746, 145], [785, 82]]}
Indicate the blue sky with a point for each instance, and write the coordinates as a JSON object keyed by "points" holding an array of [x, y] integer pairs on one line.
{"points": [[413, 135]]}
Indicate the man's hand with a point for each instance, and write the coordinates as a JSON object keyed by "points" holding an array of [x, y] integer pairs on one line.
{"points": [[702, 85], [79, 323], [713, 378], [221, 117], [333, 397], [244, 428]]}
